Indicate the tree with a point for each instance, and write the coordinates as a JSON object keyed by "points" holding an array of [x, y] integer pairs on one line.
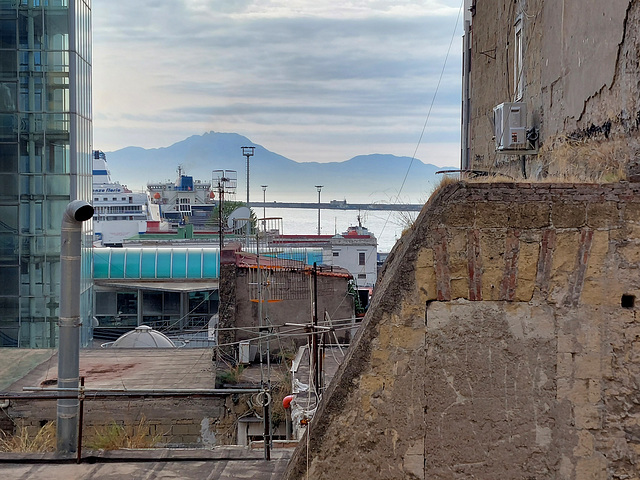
{"points": [[228, 207]]}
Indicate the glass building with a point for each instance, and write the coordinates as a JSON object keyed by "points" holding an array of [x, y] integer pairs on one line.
{"points": [[45, 161], [171, 289]]}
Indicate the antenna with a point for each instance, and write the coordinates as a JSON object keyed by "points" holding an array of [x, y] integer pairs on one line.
{"points": [[226, 181]]}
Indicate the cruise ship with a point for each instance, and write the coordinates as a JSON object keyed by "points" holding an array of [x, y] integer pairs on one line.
{"points": [[119, 213]]}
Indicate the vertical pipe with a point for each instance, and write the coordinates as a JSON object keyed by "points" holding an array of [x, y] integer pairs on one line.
{"points": [[314, 360], [466, 71], [76, 212], [80, 421], [267, 423]]}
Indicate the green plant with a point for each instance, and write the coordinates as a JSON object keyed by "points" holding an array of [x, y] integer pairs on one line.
{"points": [[279, 390], [228, 206], [21, 441], [231, 375], [114, 436]]}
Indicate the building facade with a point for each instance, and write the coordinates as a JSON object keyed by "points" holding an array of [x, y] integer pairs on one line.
{"points": [[573, 67], [45, 160]]}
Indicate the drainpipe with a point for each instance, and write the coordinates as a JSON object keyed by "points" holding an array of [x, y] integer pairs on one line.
{"points": [[465, 163], [69, 322]]}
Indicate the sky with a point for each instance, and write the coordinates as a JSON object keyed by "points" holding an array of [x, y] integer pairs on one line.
{"points": [[313, 80]]}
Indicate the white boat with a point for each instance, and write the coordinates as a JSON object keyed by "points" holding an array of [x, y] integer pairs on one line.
{"points": [[119, 213]]}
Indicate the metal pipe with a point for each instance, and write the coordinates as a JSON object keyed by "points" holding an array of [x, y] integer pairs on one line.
{"points": [[314, 343], [80, 420], [175, 391], [69, 322], [465, 163]]}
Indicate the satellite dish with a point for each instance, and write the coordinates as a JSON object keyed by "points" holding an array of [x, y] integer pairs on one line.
{"points": [[239, 218]]}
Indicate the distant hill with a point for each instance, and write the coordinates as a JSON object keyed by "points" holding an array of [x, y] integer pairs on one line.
{"points": [[365, 178]]}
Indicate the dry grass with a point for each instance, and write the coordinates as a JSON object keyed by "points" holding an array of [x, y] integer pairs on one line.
{"points": [[278, 392], [588, 160], [115, 436], [445, 181], [22, 442]]}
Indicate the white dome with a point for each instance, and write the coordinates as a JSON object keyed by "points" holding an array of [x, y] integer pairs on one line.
{"points": [[143, 337]]}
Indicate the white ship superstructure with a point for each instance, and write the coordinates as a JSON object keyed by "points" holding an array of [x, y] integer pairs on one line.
{"points": [[184, 201], [119, 213]]}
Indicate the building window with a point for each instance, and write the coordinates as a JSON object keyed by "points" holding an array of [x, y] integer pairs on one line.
{"points": [[518, 63], [336, 254], [362, 275], [361, 258]]}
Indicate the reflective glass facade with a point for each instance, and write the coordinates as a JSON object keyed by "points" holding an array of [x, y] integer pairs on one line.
{"points": [[45, 160]]}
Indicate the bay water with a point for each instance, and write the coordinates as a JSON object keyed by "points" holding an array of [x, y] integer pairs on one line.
{"points": [[386, 226]]}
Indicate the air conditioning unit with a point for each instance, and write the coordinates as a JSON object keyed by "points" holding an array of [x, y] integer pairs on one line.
{"points": [[510, 126]]}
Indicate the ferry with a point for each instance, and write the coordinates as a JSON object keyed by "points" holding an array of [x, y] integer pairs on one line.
{"points": [[184, 201], [119, 213]]}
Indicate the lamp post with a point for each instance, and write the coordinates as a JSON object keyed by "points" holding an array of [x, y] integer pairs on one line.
{"points": [[248, 152], [319, 187], [264, 206]]}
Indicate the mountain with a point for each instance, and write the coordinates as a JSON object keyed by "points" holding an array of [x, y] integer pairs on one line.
{"points": [[365, 178]]}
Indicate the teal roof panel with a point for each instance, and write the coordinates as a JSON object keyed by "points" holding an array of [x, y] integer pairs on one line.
{"points": [[156, 263]]}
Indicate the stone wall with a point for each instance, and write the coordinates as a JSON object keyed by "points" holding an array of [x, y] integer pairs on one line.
{"points": [[192, 422], [502, 342]]}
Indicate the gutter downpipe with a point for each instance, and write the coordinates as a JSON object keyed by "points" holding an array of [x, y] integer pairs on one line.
{"points": [[69, 322], [466, 107]]}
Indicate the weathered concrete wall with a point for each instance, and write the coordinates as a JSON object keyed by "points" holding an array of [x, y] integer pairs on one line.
{"points": [[502, 342], [581, 64], [193, 422]]}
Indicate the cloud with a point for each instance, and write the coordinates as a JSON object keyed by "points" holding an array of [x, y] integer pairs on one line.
{"points": [[276, 71]]}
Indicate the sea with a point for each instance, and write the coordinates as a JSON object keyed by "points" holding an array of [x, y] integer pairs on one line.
{"points": [[386, 226]]}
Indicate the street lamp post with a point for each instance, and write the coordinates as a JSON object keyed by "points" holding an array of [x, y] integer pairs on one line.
{"points": [[264, 206], [319, 187], [248, 152]]}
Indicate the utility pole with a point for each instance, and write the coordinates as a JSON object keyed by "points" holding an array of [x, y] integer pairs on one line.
{"points": [[319, 187], [248, 152], [226, 181]]}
